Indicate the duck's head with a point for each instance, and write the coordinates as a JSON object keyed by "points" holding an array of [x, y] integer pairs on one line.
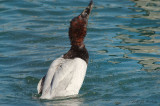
{"points": [[78, 26]]}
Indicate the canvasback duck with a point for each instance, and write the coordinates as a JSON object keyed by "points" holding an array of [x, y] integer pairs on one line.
{"points": [[66, 74]]}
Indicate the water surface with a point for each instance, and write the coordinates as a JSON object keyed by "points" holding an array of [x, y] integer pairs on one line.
{"points": [[123, 43]]}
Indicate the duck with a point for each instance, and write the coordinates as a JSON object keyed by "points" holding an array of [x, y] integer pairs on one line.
{"points": [[66, 74]]}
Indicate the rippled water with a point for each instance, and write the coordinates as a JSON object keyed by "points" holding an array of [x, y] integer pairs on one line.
{"points": [[123, 42]]}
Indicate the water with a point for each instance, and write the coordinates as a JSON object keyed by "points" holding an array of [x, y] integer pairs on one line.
{"points": [[123, 43]]}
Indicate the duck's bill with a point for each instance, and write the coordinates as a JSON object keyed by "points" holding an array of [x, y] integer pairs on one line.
{"points": [[87, 11]]}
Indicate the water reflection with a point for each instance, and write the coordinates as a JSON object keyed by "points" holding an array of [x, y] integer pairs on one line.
{"points": [[151, 7], [141, 37], [70, 101]]}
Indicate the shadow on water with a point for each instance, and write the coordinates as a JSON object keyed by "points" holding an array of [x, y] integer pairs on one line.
{"points": [[141, 37]]}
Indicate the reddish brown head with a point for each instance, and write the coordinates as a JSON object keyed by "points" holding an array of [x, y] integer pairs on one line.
{"points": [[78, 27]]}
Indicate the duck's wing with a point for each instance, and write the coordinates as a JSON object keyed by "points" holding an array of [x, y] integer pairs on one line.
{"points": [[40, 85], [44, 83], [68, 74]]}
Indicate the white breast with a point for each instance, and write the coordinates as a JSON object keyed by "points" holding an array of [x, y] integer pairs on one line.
{"points": [[64, 78]]}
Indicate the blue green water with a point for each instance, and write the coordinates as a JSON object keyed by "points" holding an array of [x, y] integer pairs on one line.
{"points": [[123, 41]]}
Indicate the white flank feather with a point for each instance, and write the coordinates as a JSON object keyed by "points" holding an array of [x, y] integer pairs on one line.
{"points": [[64, 77]]}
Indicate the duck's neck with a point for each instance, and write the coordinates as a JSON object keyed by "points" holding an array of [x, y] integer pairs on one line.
{"points": [[78, 46], [77, 52]]}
